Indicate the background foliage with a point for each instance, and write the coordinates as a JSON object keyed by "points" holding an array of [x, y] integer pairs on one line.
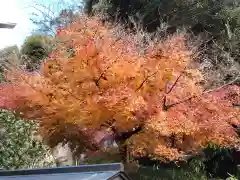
{"points": [[215, 23], [34, 50], [18, 148]]}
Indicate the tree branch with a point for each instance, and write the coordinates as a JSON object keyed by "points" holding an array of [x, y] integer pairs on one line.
{"points": [[218, 88], [204, 92], [128, 134], [165, 106], [174, 84], [120, 136], [183, 101], [145, 80], [100, 77], [236, 105]]}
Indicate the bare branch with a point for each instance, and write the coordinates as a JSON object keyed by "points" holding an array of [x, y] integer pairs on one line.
{"points": [[218, 88], [164, 107], [236, 105], [174, 84], [100, 77], [145, 80], [180, 102], [204, 92]]}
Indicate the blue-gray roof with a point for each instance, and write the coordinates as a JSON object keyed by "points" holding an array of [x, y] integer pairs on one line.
{"points": [[70, 176], [85, 172]]}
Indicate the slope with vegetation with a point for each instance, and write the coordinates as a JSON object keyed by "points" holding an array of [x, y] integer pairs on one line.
{"points": [[214, 24], [164, 87]]}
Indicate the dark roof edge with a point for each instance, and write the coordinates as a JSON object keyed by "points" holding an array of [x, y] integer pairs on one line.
{"points": [[72, 169], [122, 175]]}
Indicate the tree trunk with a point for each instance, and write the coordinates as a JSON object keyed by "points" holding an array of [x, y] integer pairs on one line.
{"points": [[121, 138], [88, 7], [123, 150]]}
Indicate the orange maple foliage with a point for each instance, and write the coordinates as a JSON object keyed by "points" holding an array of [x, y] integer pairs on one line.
{"points": [[153, 102]]}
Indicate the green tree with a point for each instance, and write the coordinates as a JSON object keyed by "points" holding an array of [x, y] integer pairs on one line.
{"points": [[9, 54], [34, 50], [18, 147]]}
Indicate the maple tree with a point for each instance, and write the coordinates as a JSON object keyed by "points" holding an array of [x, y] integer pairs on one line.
{"points": [[151, 104]]}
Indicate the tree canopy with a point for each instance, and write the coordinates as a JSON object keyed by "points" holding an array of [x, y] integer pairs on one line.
{"points": [[151, 104], [215, 24], [34, 50]]}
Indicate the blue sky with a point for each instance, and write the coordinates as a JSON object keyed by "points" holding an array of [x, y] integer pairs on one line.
{"points": [[19, 11]]}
